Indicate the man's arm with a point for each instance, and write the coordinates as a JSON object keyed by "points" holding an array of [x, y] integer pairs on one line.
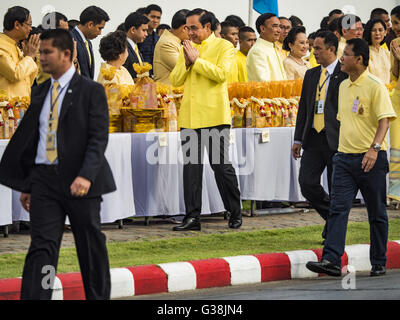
{"points": [[180, 71], [15, 72], [98, 123], [257, 66]]}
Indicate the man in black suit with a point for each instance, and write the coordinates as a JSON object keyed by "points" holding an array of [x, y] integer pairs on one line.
{"points": [[91, 23], [56, 160], [136, 31], [317, 129]]}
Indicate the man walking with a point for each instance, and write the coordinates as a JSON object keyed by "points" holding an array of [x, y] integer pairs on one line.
{"points": [[56, 159], [361, 163], [205, 117], [317, 129]]}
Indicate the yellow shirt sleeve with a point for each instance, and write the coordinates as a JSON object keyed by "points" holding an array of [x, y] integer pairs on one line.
{"points": [[17, 71], [256, 67], [218, 72], [180, 72], [382, 104]]}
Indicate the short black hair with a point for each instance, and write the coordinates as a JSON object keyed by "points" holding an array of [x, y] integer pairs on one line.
{"points": [[377, 12], [204, 17], [330, 40], [153, 7], [73, 23], [135, 19], [62, 39], [351, 18], [243, 30], [227, 24], [360, 48], [112, 45], [261, 20], [57, 16], [334, 25], [236, 20], [13, 14], [291, 37], [179, 18], [335, 11], [396, 11], [296, 21], [368, 29], [163, 26], [94, 14]]}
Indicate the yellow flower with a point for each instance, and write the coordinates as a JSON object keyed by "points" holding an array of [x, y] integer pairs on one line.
{"points": [[108, 73], [142, 68]]}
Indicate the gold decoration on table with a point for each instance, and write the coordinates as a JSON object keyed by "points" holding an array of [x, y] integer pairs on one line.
{"points": [[264, 104], [11, 113]]}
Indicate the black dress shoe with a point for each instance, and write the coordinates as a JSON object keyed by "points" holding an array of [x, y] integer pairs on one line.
{"points": [[235, 221], [377, 270], [324, 267], [188, 224]]}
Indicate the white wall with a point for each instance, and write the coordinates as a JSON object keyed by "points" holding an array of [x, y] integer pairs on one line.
{"points": [[310, 11]]}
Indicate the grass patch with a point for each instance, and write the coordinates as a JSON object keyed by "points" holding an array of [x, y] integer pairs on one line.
{"points": [[124, 254]]}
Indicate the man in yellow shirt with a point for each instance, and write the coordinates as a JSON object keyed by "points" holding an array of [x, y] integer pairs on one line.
{"points": [[247, 38], [167, 49], [203, 67], [18, 68], [285, 26], [264, 62], [361, 163], [349, 27], [230, 32]]}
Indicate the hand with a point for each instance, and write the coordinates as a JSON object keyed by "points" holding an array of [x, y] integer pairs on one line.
{"points": [[296, 148], [75, 53], [369, 160], [31, 47], [191, 54], [395, 48], [25, 199], [80, 187]]}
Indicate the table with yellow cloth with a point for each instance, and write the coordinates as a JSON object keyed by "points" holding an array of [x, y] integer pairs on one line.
{"points": [[264, 62], [294, 70], [166, 54], [205, 100], [17, 73]]}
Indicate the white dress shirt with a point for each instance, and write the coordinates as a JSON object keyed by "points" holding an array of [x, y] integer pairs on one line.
{"points": [[63, 81]]}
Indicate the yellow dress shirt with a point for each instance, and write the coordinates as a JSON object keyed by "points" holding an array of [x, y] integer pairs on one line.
{"points": [[234, 72], [358, 124], [122, 76], [241, 61], [17, 73], [166, 54], [379, 63], [283, 53], [341, 46], [294, 70], [264, 62], [313, 62], [205, 100]]}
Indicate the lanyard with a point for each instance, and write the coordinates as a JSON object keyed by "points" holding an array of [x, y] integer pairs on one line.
{"points": [[320, 87], [55, 101]]}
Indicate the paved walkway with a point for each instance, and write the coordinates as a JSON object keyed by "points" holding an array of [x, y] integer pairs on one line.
{"points": [[162, 228]]}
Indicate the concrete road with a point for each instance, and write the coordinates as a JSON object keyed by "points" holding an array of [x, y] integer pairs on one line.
{"points": [[360, 287]]}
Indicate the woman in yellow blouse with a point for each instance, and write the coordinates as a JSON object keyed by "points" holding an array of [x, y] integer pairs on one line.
{"points": [[297, 43], [114, 50], [379, 58]]}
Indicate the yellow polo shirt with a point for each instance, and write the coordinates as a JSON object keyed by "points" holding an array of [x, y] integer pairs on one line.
{"points": [[205, 101], [358, 129]]}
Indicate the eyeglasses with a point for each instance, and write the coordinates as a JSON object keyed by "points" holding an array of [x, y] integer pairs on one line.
{"points": [[27, 24], [348, 55]]}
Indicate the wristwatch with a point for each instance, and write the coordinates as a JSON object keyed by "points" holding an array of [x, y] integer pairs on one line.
{"points": [[376, 147]]}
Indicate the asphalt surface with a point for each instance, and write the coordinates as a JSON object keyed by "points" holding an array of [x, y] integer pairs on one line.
{"points": [[358, 287]]}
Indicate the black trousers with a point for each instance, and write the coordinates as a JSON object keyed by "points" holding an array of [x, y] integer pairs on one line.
{"points": [[216, 141], [348, 178], [315, 158], [49, 207]]}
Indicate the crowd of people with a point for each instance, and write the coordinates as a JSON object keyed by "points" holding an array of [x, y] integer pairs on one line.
{"points": [[56, 157]]}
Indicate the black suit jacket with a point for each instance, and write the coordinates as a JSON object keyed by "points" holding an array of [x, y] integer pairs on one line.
{"points": [[305, 115], [132, 58], [86, 68], [82, 137]]}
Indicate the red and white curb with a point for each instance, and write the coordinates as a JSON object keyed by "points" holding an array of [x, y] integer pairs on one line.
{"points": [[191, 275]]}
